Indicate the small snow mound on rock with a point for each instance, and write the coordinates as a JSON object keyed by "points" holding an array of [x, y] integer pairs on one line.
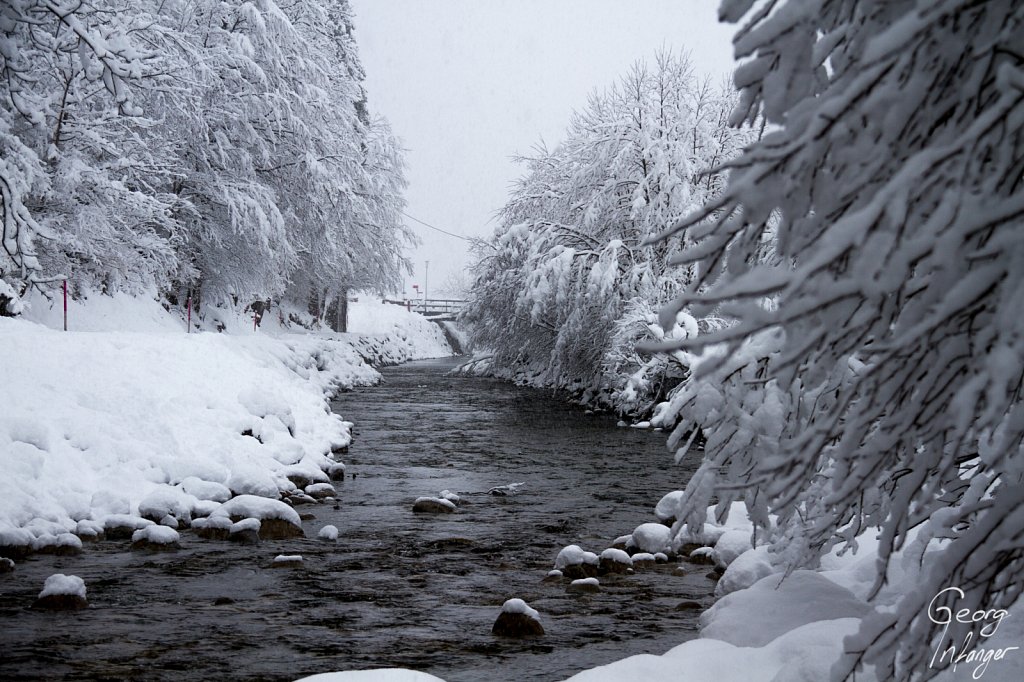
{"points": [[519, 606], [255, 507], [668, 506], [156, 535], [62, 592], [517, 619], [328, 533], [58, 583], [574, 555], [287, 560]]}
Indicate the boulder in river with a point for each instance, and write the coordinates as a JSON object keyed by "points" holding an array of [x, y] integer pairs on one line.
{"points": [[62, 593], [517, 620], [432, 505], [6, 565]]}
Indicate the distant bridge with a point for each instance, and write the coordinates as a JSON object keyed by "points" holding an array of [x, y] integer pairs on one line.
{"points": [[432, 307]]}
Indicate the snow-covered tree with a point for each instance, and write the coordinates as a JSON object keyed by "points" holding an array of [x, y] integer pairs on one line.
{"points": [[74, 172], [571, 270], [873, 371], [220, 147]]}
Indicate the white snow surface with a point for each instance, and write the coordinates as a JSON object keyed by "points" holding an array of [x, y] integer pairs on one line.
{"points": [[58, 583], [128, 411]]}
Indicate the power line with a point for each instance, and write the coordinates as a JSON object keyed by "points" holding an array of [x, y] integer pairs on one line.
{"points": [[450, 234]]}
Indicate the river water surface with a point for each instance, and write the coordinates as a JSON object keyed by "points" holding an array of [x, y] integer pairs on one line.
{"points": [[397, 589]]}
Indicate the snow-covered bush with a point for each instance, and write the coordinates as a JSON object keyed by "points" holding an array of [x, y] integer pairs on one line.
{"points": [[881, 384], [566, 286]]}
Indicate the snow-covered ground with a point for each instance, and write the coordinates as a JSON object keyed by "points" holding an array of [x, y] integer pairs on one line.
{"points": [[127, 408]]}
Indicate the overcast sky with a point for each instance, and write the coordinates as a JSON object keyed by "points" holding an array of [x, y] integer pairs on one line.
{"points": [[468, 84]]}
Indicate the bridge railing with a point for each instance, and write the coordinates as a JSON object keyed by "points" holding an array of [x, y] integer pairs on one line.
{"points": [[431, 306]]}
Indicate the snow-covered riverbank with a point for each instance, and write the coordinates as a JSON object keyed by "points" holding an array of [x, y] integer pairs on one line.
{"points": [[96, 422]]}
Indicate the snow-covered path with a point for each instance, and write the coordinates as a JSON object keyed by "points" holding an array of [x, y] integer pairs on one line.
{"points": [[396, 589]]}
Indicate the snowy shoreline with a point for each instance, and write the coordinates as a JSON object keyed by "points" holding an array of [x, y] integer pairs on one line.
{"points": [[107, 430]]}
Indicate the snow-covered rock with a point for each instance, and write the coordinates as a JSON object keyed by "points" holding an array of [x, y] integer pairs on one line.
{"points": [[652, 537], [63, 544], [156, 538], [576, 563], [517, 619], [614, 561], [62, 592], [433, 505], [584, 586], [167, 501], [668, 506], [277, 520]]}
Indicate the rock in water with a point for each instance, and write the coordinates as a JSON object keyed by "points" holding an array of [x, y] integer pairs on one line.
{"points": [[6, 565], [432, 505], [517, 619], [584, 586], [62, 593]]}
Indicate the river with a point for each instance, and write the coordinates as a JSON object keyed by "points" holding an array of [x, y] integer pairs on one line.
{"points": [[397, 589]]}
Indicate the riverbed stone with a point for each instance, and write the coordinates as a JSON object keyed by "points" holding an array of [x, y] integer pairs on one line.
{"points": [[279, 529], [517, 625], [689, 605], [6, 565]]}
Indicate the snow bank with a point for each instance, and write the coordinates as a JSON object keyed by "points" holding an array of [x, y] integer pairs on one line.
{"points": [[769, 628], [109, 426], [414, 333]]}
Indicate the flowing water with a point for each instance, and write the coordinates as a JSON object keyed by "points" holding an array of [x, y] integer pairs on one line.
{"points": [[397, 589]]}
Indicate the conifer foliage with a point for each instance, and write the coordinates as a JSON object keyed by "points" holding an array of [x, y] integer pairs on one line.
{"points": [[873, 373], [222, 147]]}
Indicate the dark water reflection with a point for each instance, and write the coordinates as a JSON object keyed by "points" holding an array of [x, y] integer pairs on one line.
{"points": [[397, 589]]}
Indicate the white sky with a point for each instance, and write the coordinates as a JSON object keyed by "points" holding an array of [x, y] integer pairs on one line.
{"points": [[467, 84]]}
